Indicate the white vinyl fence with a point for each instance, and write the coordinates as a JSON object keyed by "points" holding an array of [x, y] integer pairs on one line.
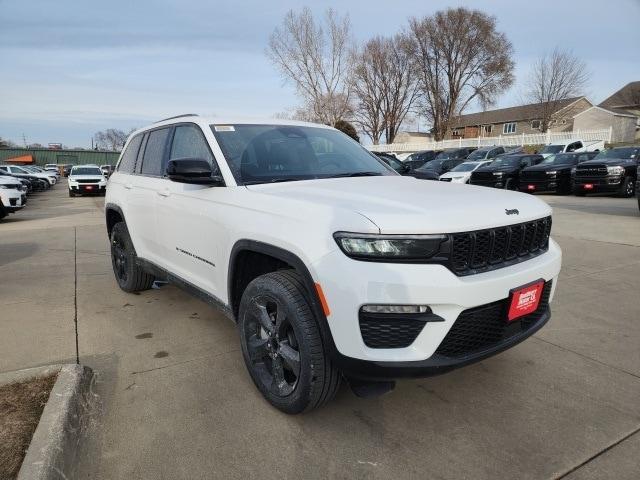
{"points": [[504, 140]]}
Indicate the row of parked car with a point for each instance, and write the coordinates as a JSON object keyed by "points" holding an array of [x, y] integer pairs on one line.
{"points": [[557, 169], [19, 181]]}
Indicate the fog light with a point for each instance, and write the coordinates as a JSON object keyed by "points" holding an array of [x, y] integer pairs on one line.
{"points": [[396, 309]]}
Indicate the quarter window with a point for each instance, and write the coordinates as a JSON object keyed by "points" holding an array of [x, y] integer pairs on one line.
{"points": [[152, 161], [128, 161], [509, 128]]}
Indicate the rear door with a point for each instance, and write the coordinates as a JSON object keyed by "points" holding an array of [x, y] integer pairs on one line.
{"points": [[144, 188]]}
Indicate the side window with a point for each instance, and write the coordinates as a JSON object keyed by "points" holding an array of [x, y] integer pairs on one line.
{"points": [[128, 161], [154, 152], [4, 169], [189, 142]]}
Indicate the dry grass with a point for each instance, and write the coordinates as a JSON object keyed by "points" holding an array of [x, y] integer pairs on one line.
{"points": [[21, 405]]}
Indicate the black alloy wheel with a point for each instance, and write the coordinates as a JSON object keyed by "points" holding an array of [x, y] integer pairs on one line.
{"points": [[272, 346], [282, 346], [129, 275]]}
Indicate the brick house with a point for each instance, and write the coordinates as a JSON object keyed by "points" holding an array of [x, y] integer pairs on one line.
{"points": [[516, 120]]}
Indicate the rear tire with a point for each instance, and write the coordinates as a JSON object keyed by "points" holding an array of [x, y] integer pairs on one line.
{"points": [[129, 275], [282, 346], [510, 184]]}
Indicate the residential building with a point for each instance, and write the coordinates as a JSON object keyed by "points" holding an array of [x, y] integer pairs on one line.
{"points": [[413, 137], [622, 123], [517, 120], [625, 101]]}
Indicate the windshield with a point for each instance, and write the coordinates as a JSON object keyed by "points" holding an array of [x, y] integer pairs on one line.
{"points": [[478, 155], [280, 153], [86, 171], [552, 149], [617, 153], [505, 162], [560, 159], [432, 165], [447, 154], [467, 167]]}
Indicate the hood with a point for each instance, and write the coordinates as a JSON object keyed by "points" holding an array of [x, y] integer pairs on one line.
{"points": [[406, 205], [455, 174], [86, 177], [6, 180], [546, 168], [426, 174], [607, 161], [491, 169]]}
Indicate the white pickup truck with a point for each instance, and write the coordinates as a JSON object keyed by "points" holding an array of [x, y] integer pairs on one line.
{"points": [[568, 146]]}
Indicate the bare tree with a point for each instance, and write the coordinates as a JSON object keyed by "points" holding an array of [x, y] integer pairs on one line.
{"points": [[110, 139], [459, 58], [315, 60], [367, 83], [384, 87], [555, 77]]}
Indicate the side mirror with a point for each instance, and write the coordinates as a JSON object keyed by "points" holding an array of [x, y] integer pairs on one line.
{"points": [[192, 170]]}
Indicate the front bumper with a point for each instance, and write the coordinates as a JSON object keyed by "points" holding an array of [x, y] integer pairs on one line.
{"points": [[348, 284], [88, 188], [13, 200], [497, 183], [610, 183], [548, 185]]}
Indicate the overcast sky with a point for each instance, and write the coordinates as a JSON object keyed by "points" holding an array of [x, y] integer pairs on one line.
{"points": [[71, 68]]}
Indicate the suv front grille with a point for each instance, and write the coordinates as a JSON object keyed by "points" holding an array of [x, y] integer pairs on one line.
{"points": [[484, 250], [534, 175], [481, 328], [88, 180], [591, 171]]}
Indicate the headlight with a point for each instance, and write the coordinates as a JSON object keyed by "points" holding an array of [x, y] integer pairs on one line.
{"points": [[615, 170], [389, 247], [497, 174], [552, 172], [573, 170]]}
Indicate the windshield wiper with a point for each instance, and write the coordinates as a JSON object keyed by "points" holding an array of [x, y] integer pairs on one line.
{"points": [[274, 180], [356, 174]]}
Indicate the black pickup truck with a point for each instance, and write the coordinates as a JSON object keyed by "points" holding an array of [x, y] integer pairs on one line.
{"points": [[504, 171], [444, 161], [553, 174], [612, 171]]}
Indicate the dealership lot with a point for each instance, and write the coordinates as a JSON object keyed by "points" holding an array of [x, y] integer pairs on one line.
{"points": [[176, 401]]}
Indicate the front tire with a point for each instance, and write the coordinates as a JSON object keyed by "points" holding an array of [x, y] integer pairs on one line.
{"points": [[129, 275], [628, 187], [71, 194], [282, 346]]}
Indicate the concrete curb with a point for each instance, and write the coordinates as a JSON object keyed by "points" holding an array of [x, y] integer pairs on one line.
{"points": [[54, 445]]}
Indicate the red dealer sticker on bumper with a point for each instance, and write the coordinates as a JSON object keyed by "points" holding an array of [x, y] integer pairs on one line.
{"points": [[524, 300], [588, 186], [531, 187]]}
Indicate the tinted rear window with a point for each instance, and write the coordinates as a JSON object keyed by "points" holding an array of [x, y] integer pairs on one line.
{"points": [[128, 160], [154, 152]]}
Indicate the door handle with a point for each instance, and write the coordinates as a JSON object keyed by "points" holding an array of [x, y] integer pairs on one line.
{"points": [[128, 186], [163, 193]]}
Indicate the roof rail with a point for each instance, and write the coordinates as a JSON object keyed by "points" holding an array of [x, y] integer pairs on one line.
{"points": [[178, 116]]}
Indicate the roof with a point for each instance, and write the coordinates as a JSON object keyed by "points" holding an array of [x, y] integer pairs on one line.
{"points": [[627, 96], [510, 114], [613, 111]]}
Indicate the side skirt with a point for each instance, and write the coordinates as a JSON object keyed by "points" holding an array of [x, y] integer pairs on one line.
{"points": [[190, 288]]}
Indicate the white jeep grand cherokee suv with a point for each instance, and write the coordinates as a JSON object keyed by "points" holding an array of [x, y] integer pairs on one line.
{"points": [[331, 264]]}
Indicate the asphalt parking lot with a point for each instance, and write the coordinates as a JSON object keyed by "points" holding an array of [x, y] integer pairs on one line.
{"points": [[176, 401]]}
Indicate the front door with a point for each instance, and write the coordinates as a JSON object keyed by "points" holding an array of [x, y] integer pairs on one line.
{"points": [[188, 218]]}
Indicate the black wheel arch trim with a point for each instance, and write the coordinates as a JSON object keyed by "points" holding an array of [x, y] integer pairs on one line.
{"points": [[300, 267], [112, 207]]}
